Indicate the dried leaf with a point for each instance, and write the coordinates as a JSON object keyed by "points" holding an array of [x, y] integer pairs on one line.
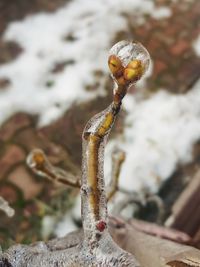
{"points": [[153, 251]]}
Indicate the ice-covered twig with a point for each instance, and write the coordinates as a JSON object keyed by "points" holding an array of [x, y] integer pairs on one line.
{"points": [[127, 61], [39, 163], [6, 208], [132, 197], [160, 206], [118, 157]]}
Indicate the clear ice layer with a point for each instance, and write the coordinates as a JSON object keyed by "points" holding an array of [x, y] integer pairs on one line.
{"points": [[127, 51]]}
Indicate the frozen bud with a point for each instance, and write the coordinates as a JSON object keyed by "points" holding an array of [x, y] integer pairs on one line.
{"points": [[131, 54], [36, 159], [132, 74], [128, 61], [115, 66]]}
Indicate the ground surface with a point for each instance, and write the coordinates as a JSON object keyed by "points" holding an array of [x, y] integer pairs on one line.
{"points": [[176, 67]]}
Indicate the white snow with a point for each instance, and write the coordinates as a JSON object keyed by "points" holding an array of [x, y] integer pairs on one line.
{"points": [[67, 225], [160, 133], [93, 25], [48, 225], [162, 12]]}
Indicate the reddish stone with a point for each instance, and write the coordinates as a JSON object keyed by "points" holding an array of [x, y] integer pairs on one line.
{"points": [[8, 193], [29, 139], [180, 47], [195, 32], [141, 33], [13, 155], [153, 45], [159, 66], [172, 30], [162, 38], [17, 122], [196, 8], [23, 180]]}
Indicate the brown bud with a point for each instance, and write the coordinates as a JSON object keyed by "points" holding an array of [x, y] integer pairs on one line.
{"points": [[132, 74], [115, 66], [134, 64], [39, 158], [121, 80]]}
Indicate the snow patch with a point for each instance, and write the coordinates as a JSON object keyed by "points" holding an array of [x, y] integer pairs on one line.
{"points": [[67, 225], [79, 35], [161, 13], [159, 133]]}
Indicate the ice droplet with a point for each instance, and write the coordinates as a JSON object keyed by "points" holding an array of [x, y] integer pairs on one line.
{"points": [[127, 51]]}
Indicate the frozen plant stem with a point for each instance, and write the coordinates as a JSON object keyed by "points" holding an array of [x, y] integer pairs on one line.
{"points": [[127, 61], [39, 163], [118, 157]]}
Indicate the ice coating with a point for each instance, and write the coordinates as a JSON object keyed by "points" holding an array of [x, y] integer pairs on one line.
{"points": [[6, 208], [38, 162], [128, 62], [127, 51]]}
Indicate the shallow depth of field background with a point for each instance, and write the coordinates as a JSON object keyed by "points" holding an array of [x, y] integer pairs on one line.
{"points": [[54, 77]]}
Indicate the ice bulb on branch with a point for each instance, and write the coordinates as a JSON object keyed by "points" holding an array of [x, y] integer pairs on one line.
{"points": [[128, 61]]}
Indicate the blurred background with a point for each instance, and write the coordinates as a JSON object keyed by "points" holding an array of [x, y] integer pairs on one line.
{"points": [[54, 77]]}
